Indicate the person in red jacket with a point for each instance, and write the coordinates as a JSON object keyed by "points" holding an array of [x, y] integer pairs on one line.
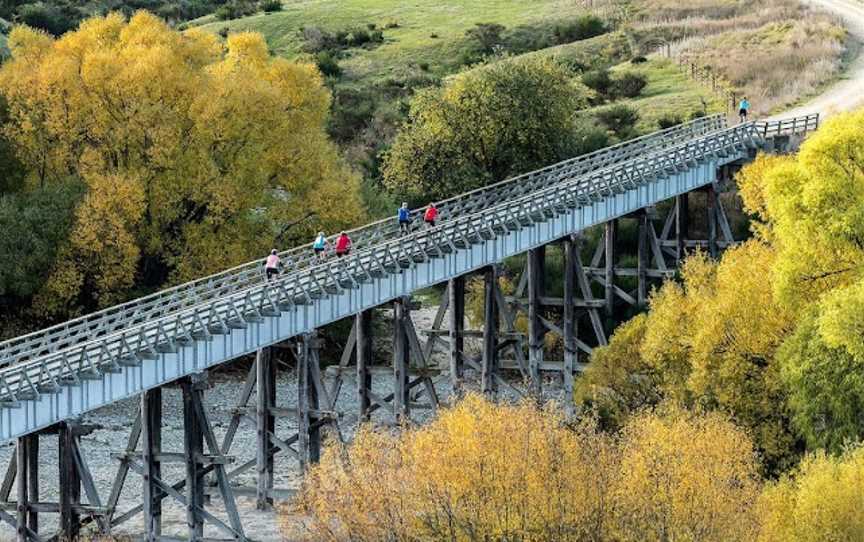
{"points": [[430, 215], [343, 244]]}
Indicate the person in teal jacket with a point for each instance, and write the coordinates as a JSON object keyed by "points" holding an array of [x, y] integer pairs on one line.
{"points": [[743, 109]]}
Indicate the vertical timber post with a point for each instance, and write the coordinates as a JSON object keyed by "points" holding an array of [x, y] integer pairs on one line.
{"points": [[151, 446], [711, 206], [536, 330], [193, 444], [70, 482], [642, 261], [309, 432], [490, 332], [456, 291], [265, 379], [611, 234], [23, 504], [571, 252], [682, 219], [401, 359], [364, 361], [32, 480]]}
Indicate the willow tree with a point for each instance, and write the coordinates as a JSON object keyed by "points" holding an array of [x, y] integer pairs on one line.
{"points": [[485, 125], [195, 154]]}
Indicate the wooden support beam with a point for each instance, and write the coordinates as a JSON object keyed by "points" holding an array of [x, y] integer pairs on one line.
{"points": [[456, 329], [193, 445], [151, 446], [33, 479], [309, 434], [363, 325], [711, 206], [609, 240], [401, 359], [265, 377], [70, 482], [536, 330], [642, 261], [682, 225], [491, 316], [23, 502], [571, 351]]}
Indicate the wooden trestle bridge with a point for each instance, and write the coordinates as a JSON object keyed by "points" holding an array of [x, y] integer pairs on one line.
{"points": [[50, 378]]}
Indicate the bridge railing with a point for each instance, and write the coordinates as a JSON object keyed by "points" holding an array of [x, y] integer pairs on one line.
{"points": [[147, 308], [796, 125], [28, 379]]}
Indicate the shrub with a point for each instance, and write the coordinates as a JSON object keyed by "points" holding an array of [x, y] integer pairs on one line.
{"points": [[223, 31], [424, 66], [328, 64], [584, 27], [481, 471], [698, 114], [620, 119], [48, 18], [638, 60], [485, 36], [598, 80], [628, 85], [391, 24], [269, 6], [371, 26], [433, 35], [822, 501], [668, 121]]}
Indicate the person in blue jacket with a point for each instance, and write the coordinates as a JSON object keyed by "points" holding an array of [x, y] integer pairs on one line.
{"points": [[743, 109], [404, 216]]}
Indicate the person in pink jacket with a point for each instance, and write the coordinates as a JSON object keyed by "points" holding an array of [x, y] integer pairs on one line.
{"points": [[272, 264]]}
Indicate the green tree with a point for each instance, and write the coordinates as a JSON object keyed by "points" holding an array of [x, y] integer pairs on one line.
{"points": [[826, 388], [33, 226], [484, 126]]}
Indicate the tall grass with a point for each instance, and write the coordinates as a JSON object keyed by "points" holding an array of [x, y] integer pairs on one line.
{"points": [[774, 65]]}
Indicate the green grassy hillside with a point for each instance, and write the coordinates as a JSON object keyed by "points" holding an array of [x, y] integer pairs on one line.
{"points": [[429, 32]]}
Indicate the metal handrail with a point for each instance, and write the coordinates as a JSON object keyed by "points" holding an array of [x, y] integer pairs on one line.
{"points": [[143, 309], [304, 285]]}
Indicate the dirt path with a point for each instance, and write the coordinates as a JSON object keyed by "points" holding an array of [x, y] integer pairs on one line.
{"points": [[848, 92]]}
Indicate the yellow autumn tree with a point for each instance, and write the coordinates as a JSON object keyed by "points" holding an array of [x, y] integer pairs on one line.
{"points": [[822, 501], [684, 476], [219, 146], [709, 341]]}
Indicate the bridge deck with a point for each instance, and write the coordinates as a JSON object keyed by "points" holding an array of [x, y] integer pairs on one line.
{"points": [[93, 361]]}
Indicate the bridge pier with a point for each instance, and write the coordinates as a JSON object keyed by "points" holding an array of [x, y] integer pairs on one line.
{"points": [[265, 402], [151, 446], [535, 272], [568, 326], [401, 360], [489, 359], [609, 276], [456, 345], [308, 407], [70, 481], [363, 330], [682, 226]]}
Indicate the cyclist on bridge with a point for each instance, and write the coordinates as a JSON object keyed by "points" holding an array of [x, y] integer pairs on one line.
{"points": [[320, 245], [430, 215], [343, 245], [272, 265], [743, 109], [404, 217]]}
